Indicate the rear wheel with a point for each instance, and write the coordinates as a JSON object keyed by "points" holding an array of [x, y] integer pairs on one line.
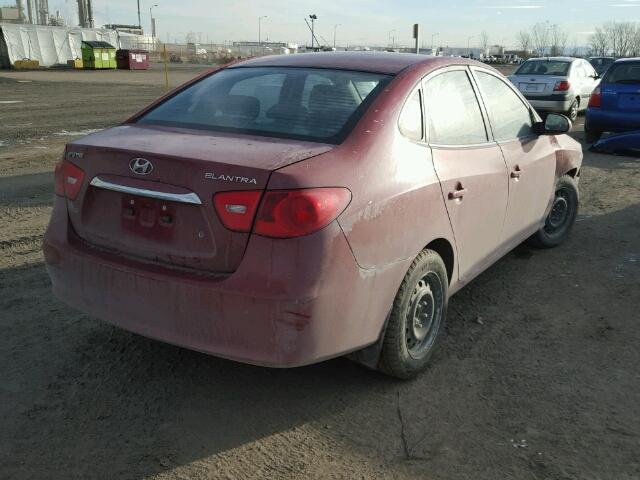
{"points": [[591, 136], [572, 113], [417, 317], [561, 217]]}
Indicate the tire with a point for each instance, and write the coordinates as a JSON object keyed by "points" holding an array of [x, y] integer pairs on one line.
{"points": [[591, 136], [417, 317], [561, 217], [572, 113]]}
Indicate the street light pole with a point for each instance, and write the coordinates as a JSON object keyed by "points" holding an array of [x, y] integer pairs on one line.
{"points": [[434, 35], [389, 41], [313, 18], [153, 25], [139, 21], [335, 28], [259, 32]]}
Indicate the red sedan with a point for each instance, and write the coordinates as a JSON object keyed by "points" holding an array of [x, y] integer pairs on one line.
{"points": [[289, 209]]}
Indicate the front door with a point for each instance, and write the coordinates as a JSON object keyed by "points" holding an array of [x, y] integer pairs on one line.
{"points": [[530, 159], [471, 169]]}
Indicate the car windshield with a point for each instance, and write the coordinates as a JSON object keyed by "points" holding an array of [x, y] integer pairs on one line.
{"points": [[623, 73], [303, 103], [544, 67]]}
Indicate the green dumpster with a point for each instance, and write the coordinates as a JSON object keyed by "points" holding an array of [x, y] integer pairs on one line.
{"points": [[98, 55]]}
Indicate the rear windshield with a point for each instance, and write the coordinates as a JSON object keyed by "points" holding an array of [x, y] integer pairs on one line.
{"points": [[623, 73], [304, 103], [544, 67]]}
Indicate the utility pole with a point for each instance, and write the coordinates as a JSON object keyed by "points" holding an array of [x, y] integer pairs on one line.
{"points": [[335, 28], [259, 32], [139, 21]]}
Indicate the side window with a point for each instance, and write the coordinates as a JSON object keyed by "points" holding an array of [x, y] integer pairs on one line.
{"points": [[410, 121], [578, 70], [453, 113], [509, 117]]}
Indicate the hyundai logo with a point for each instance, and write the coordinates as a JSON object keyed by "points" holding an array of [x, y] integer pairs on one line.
{"points": [[141, 166]]}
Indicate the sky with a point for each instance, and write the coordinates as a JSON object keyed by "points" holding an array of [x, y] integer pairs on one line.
{"points": [[360, 22]]}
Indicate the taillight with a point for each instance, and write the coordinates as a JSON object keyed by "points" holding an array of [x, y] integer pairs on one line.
{"points": [[68, 179], [596, 98], [294, 213], [562, 86], [237, 209]]}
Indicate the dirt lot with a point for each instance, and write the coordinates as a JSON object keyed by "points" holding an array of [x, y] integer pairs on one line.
{"points": [[537, 377]]}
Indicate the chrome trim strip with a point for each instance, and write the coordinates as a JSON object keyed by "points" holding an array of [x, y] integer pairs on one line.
{"points": [[191, 198]]}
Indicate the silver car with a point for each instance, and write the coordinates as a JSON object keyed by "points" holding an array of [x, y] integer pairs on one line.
{"points": [[557, 84]]}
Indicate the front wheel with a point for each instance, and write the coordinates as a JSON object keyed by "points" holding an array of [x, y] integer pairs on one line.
{"points": [[561, 217], [417, 317]]}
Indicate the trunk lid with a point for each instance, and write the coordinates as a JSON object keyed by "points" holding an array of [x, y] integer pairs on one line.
{"points": [[533, 85], [620, 96], [166, 215]]}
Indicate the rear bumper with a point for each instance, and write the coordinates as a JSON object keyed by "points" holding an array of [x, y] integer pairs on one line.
{"points": [[611, 120], [290, 303], [559, 104]]}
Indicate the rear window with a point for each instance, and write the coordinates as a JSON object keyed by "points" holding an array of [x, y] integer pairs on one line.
{"points": [[303, 103], [623, 73], [544, 67]]}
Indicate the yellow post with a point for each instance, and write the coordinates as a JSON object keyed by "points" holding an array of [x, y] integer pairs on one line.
{"points": [[166, 68]]}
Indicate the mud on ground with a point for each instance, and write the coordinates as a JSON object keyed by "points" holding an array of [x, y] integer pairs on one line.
{"points": [[537, 376]]}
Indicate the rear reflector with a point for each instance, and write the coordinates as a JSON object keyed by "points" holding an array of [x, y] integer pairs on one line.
{"points": [[68, 179], [596, 98], [294, 213], [237, 209], [562, 86]]}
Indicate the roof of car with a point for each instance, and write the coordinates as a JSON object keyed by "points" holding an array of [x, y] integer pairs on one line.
{"points": [[554, 59], [378, 62], [625, 60]]}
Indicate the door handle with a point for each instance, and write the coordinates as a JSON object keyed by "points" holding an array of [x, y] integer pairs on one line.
{"points": [[516, 172], [457, 194]]}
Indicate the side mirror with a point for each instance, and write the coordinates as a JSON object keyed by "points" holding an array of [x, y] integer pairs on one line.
{"points": [[554, 124]]}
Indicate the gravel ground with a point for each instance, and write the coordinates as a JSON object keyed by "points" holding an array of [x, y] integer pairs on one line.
{"points": [[537, 377]]}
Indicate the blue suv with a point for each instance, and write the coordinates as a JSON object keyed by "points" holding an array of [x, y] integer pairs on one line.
{"points": [[615, 105]]}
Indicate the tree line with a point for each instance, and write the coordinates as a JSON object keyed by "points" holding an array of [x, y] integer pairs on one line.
{"points": [[543, 39], [617, 39]]}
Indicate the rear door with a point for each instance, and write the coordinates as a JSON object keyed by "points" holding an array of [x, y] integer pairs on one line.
{"points": [[471, 168], [584, 74], [530, 158]]}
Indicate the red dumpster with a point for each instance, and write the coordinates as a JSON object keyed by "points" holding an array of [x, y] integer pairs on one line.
{"points": [[132, 59]]}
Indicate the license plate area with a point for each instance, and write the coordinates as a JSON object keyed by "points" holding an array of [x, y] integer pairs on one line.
{"points": [[532, 87], [148, 217], [629, 101]]}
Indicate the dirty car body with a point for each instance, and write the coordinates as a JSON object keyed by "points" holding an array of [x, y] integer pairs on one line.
{"points": [[268, 212]]}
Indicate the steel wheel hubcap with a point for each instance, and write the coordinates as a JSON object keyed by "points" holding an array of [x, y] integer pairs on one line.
{"points": [[559, 212], [424, 314]]}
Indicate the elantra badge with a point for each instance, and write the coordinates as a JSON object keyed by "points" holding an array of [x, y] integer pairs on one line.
{"points": [[229, 178]]}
